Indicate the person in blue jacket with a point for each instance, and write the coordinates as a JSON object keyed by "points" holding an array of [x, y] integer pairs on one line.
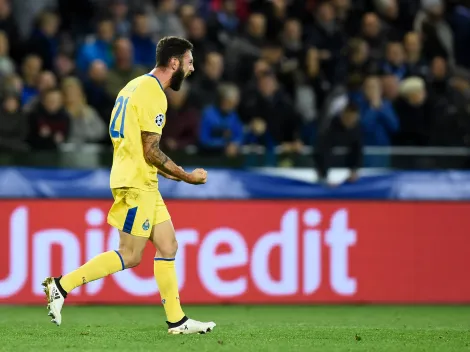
{"points": [[378, 120], [221, 129]]}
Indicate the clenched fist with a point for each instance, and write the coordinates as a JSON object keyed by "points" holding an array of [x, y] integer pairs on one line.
{"points": [[198, 177]]}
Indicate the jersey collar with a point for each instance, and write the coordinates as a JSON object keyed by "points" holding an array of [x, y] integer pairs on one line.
{"points": [[148, 74]]}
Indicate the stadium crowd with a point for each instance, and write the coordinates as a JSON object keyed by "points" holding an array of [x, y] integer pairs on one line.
{"points": [[280, 73]]}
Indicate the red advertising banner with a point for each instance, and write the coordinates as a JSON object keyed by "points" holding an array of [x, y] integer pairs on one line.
{"points": [[251, 252]]}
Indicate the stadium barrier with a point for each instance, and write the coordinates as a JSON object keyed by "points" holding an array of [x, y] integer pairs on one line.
{"points": [[251, 252]]}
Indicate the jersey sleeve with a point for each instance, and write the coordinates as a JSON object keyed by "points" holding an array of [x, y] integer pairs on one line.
{"points": [[151, 116]]}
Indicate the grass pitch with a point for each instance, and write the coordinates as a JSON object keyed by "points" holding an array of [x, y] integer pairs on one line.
{"points": [[240, 328]]}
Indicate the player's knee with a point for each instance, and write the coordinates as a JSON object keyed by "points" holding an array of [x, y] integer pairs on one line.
{"points": [[168, 249], [131, 258]]}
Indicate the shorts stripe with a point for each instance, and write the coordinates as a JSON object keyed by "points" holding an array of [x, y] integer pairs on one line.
{"points": [[129, 222]]}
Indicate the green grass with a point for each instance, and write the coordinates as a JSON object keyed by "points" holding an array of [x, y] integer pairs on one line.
{"points": [[241, 328]]}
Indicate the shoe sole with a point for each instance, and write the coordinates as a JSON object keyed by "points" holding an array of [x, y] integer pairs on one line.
{"points": [[174, 332], [49, 281]]}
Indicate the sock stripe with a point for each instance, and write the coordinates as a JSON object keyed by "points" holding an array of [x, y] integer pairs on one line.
{"points": [[165, 259], [122, 261]]}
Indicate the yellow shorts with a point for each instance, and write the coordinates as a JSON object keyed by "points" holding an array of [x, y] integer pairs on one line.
{"points": [[135, 211]]}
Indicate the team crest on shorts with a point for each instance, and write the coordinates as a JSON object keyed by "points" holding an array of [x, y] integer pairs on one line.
{"points": [[146, 225], [160, 120]]}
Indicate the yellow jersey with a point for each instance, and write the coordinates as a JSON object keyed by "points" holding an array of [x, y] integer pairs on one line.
{"points": [[140, 106]]}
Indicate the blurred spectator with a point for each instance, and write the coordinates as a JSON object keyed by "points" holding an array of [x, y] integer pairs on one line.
{"points": [[124, 69], [438, 85], [26, 11], [326, 36], [378, 119], [64, 66], [85, 123], [221, 129], [186, 13], [390, 87], [49, 122], [144, 45], [274, 107], [182, 126], [394, 63], [13, 125], [44, 40], [359, 61], [95, 89], [119, 11], [276, 13], [99, 47], [31, 69], [243, 51], [204, 89], [223, 24], [437, 35], [416, 113], [7, 66], [197, 36], [459, 20], [417, 66], [9, 25], [343, 131], [164, 20], [12, 84], [374, 34], [46, 81]]}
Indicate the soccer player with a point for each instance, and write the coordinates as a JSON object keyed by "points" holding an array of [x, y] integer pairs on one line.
{"points": [[139, 212]]}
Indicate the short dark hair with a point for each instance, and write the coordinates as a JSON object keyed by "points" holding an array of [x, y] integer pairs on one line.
{"points": [[169, 47]]}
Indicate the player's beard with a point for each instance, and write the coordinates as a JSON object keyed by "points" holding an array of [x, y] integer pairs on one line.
{"points": [[177, 79]]}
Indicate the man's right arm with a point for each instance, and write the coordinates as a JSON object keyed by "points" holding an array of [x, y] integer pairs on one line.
{"points": [[154, 156]]}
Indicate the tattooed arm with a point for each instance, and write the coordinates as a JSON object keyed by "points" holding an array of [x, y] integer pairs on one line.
{"points": [[154, 156]]}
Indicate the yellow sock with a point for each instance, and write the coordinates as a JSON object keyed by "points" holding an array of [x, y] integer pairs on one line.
{"points": [[100, 266], [165, 274]]}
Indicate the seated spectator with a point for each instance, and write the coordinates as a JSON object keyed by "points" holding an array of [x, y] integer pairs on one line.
{"points": [[221, 129], [164, 20], [95, 90], [182, 126], [46, 82], [438, 81], [44, 41], [459, 19], [9, 26], [343, 131], [30, 70], [416, 113], [12, 84], [204, 88], [186, 14], [417, 66], [97, 48], [394, 62], [7, 66], [124, 69], [378, 119], [49, 122], [86, 126], [143, 42], [13, 125]]}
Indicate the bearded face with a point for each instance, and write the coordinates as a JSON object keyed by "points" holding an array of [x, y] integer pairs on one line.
{"points": [[177, 78]]}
